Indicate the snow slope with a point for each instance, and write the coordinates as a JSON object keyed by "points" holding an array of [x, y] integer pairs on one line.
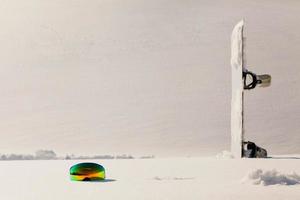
{"points": [[173, 178]]}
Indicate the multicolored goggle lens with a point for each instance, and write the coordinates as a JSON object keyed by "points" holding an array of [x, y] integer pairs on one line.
{"points": [[87, 172]]}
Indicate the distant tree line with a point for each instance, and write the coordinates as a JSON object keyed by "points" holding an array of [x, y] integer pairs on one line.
{"points": [[73, 157], [39, 155], [51, 155]]}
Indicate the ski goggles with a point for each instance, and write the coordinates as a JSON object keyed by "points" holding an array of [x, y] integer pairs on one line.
{"points": [[87, 172]]}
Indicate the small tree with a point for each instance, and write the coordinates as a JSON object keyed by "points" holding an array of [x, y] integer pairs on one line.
{"points": [[45, 155]]}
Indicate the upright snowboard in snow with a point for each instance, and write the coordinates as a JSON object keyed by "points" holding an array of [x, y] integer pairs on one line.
{"points": [[237, 68], [242, 79]]}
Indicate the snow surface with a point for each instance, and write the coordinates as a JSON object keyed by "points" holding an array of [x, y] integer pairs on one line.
{"points": [[272, 177], [148, 179], [225, 155]]}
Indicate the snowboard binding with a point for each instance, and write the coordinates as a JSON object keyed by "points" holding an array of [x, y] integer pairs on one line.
{"points": [[251, 150], [251, 80]]}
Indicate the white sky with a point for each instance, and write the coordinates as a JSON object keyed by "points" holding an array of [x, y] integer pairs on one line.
{"points": [[143, 77]]}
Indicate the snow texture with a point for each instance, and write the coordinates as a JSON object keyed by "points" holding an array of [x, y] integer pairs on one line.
{"points": [[272, 177], [172, 178], [191, 178]]}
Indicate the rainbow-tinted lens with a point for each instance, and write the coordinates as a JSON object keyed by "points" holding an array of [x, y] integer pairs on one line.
{"points": [[87, 172]]}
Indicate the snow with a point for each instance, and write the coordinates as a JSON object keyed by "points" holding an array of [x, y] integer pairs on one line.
{"points": [[146, 78], [191, 178], [225, 155], [272, 177]]}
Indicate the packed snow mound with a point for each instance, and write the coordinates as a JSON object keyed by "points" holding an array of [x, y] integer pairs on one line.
{"points": [[272, 177], [225, 155]]}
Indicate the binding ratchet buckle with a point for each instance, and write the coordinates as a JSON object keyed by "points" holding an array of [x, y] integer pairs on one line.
{"points": [[251, 80]]}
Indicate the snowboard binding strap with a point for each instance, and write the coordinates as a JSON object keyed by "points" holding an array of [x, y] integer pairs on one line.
{"points": [[262, 80]]}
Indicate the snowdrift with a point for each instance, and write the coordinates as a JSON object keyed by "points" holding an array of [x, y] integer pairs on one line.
{"points": [[271, 177]]}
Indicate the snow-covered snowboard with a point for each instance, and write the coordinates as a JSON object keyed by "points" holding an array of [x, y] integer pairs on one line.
{"points": [[237, 68]]}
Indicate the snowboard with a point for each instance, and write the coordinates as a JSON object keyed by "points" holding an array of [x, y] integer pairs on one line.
{"points": [[237, 98]]}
